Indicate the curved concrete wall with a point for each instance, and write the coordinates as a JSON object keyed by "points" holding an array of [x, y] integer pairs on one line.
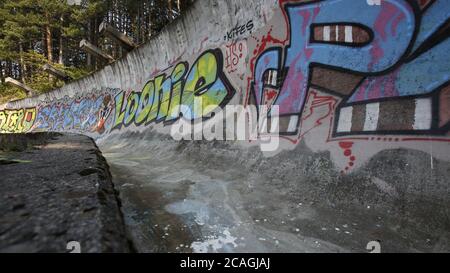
{"points": [[347, 77]]}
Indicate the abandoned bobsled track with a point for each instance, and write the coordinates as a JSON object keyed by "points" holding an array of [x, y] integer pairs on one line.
{"points": [[364, 104]]}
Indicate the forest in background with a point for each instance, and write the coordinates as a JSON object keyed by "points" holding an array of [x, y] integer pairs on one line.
{"points": [[38, 32]]}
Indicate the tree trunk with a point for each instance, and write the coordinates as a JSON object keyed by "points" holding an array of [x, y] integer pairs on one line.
{"points": [[2, 77], [7, 69], [48, 32], [61, 50], [61, 43], [88, 56], [23, 67], [44, 42]]}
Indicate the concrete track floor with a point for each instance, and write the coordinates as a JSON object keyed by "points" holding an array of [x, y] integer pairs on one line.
{"points": [[174, 201]]}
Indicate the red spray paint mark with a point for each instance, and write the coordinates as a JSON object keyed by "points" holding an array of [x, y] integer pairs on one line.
{"points": [[260, 47], [348, 153], [29, 117], [387, 12], [306, 16], [271, 94], [318, 101], [396, 22]]}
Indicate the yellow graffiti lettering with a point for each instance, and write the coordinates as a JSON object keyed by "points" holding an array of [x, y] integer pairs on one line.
{"points": [[17, 121]]}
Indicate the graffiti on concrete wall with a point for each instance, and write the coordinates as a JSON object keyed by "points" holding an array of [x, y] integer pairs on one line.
{"points": [[17, 121], [235, 52], [83, 114], [191, 92], [343, 79], [379, 74], [239, 30], [186, 93], [391, 62], [412, 97]]}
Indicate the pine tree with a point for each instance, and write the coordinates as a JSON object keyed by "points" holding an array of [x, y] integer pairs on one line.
{"points": [[36, 32]]}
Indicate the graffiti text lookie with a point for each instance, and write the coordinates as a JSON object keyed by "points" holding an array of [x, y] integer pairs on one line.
{"points": [[162, 97]]}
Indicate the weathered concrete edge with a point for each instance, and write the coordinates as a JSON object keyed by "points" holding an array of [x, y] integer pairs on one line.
{"points": [[83, 206], [116, 211]]}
